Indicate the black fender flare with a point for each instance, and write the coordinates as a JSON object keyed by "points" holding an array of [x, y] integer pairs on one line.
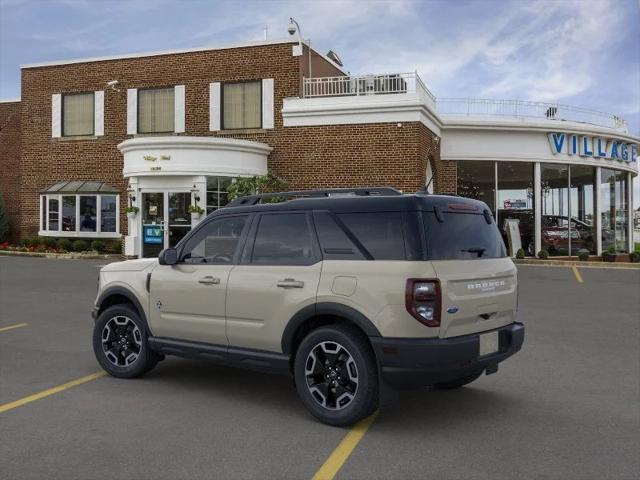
{"points": [[124, 292], [325, 308]]}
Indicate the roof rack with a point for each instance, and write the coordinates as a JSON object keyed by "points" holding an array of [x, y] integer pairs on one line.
{"points": [[337, 192]]}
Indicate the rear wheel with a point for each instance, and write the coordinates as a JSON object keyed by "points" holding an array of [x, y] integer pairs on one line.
{"points": [[336, 375], [458, 382], [120, 343]]}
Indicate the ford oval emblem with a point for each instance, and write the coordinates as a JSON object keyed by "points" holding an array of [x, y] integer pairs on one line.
{"points": [[452, 310]]}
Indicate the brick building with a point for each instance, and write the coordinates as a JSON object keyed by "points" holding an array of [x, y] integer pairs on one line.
{"points": [[165, 130]]}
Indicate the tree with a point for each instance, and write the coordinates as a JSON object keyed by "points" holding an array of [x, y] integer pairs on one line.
{"points": [[243, 186], [4, 222]]}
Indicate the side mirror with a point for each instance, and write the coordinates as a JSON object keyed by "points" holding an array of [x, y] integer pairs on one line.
{"points": [[168, 256]]}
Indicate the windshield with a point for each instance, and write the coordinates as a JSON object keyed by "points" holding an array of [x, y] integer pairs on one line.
{"points": [[462, 236]]}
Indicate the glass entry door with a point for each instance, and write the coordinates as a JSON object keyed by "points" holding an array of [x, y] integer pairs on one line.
{"points": [[165, 220], [179, 218]]}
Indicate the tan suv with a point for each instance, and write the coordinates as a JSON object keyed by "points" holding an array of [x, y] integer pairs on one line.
{"points": [[348, 291]]}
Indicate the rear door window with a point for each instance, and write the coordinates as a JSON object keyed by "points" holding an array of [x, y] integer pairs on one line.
{"points": [[462, 236], [380, 233], [284, 239]]}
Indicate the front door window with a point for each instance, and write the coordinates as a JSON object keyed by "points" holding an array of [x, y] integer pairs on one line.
{"points": [[179, 218]]}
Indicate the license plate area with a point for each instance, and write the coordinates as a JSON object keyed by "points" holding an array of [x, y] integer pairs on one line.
{"points": [[489, 343]]}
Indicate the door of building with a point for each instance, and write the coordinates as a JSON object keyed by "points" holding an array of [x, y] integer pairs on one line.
{"points": [[165, 220]]}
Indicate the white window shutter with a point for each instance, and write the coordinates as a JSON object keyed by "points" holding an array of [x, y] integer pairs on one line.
{"points": [[214, 106], [56, 115], [132, 111], [98, 113], [178, 110], [267, 103]]}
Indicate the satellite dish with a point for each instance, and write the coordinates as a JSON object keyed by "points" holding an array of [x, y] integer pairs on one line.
{"points": [[333, 56]]}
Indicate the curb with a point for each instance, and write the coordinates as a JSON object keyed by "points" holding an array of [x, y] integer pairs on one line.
{"points": [[64, 256], [576, 263]]}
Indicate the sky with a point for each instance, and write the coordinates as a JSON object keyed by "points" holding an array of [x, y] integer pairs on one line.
{"points": [[576, 52]]}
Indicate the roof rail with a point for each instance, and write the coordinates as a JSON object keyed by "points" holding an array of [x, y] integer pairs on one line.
{"points": [[360, 192]]}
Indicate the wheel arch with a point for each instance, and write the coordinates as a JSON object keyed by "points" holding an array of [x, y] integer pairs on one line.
{"points": [[320, 314], [118, 295]]}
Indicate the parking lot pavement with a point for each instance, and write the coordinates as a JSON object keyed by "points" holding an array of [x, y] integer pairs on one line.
{"points": [[565, 407]]}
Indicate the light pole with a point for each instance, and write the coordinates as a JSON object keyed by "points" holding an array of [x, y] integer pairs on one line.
{"points": [[293, 28]]}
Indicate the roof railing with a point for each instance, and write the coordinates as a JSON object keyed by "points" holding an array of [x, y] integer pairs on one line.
{"points": [[326, 193]]}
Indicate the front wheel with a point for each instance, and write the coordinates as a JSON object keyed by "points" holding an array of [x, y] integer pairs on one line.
{"points": [[336, 375], [120, 343]]}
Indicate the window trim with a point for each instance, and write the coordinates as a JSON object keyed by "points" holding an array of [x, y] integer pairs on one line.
{"points": [[222, 86], [166, 87], [77, 233], [247, 254], [93, 117]]}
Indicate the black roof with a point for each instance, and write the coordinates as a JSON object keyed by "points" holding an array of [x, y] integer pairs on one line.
{"points": [[345, 202]]}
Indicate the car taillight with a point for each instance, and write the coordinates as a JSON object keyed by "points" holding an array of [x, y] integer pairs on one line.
{"points": [[422, 299]]}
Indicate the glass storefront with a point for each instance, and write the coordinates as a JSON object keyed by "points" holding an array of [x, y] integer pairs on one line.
{"points": [[477, 180], [614, 210], [568, 204], [516, 202]]}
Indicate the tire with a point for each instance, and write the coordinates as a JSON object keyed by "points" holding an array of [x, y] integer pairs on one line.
{"points": [[120, 343], [336, 375], [458, 382]]}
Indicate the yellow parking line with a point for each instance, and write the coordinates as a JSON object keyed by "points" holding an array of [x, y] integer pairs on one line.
{"points": [[340, 455], [576, 273], [11, 327], [50, 391]]}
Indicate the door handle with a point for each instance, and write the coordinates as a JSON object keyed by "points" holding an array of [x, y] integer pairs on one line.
{"points": [[209, 280], [290, 283]]}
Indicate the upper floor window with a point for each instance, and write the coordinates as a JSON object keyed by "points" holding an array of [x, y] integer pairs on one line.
{"points": [[78, 114], [156, 110], [242, 105]]}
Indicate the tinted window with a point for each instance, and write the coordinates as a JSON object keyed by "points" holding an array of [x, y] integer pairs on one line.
{"points": [[462, 236], [380, 233], [334, 242], [217, 242], [283, 240]]}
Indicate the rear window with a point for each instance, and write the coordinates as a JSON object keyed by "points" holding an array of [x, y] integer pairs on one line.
{"points": [[462, 236]]}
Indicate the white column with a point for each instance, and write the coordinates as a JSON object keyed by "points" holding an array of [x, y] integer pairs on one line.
{"points": [[598, 215], [630, 212], [537, 202]]}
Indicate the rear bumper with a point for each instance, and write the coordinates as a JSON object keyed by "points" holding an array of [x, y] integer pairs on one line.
{"points": [[419, 362]]}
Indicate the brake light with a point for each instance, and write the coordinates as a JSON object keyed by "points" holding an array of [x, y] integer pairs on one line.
{"points": [[423, 301]]}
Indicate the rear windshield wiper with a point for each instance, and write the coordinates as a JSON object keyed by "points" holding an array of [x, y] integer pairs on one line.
{"points": [[479, 250]]}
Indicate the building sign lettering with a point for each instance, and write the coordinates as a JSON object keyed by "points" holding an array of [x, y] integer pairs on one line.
{"points": [[597, 147]]}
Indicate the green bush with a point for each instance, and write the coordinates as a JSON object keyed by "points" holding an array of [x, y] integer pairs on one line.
{"points": [[543, 254], [583, 254], [114, 246], [48, 242], [520, 253], [4, 223], [634, 257], [80, 246], [243, 186], [29, 242], [611, 250], [98, 245], [65, 244]]}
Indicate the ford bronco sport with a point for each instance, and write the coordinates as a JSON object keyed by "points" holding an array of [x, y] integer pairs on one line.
{"points": [[347, 291]]}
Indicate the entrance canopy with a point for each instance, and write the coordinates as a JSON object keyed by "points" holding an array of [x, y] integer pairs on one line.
{"points": [[80, 186]]}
